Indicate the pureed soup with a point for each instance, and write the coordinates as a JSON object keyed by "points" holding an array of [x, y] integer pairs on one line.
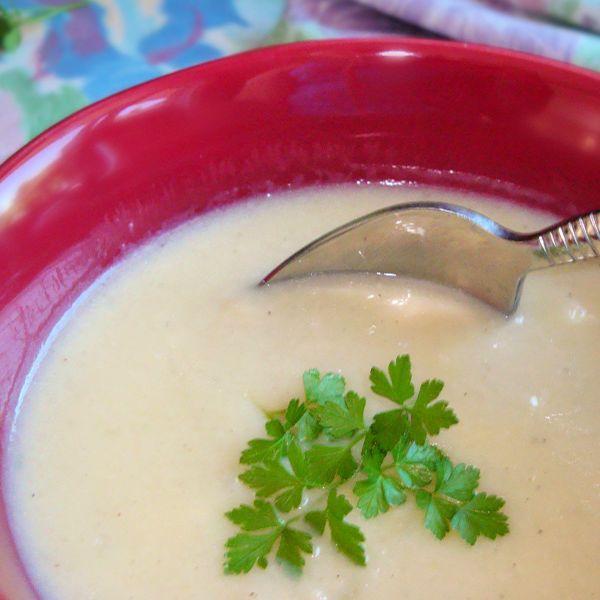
{"points": [[124, 454]]}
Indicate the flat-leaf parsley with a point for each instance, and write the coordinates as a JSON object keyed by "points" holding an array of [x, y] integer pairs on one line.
{"points": [[316, 445]]}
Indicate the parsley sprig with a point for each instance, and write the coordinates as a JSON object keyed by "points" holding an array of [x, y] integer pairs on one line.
{"points": [[12, 20], [314, 446]]}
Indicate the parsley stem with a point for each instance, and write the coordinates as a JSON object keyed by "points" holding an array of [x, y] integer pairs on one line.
{"points": [[357, 439], [272, 414], [49, 13]]}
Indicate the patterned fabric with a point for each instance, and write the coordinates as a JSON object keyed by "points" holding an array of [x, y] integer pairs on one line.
{"points": [[78, 57]]}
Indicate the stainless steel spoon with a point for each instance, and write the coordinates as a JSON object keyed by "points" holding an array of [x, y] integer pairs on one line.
{"points": [[447, 244]]}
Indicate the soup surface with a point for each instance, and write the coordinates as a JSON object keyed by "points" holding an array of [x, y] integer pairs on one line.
{"points": [[123, 455]]}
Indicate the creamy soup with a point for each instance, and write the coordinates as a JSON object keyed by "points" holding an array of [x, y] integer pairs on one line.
{"points": [[124, 451]]}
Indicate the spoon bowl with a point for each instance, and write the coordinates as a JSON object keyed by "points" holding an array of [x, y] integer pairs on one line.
{"points": [[447, 244]]}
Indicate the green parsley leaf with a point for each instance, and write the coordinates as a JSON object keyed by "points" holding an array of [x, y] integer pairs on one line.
{"points": [[269, 479], [454, 502], [260, 516], [308, 428], [294, 412], [293, 542], [244, 550], [275, 428], [297, 460], [347, 537], [378, 492], [327, 462], [438, 512], [262, 449], [427, 417], [389, 427], [398, 387], [341, 420], [415, 464], [317, 519], [481, 516], [319, 390], [456, 482]]}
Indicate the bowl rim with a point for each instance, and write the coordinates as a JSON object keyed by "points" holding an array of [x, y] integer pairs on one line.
{"points": [[286, 53], [283, 52]]}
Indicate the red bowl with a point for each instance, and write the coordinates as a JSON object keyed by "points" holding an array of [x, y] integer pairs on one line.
{"points": [[85, 192]]}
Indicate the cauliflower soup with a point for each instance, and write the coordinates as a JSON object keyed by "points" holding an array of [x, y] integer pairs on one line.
{"points": [[123, 452]]}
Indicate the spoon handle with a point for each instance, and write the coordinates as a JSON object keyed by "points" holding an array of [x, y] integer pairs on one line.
{"points": [[577, 239]]}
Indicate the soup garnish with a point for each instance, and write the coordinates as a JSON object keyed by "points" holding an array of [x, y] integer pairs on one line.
{"points": [[310, 446]]}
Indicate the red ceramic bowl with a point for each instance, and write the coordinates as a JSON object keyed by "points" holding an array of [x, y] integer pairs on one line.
{"points": [[81, 195]]}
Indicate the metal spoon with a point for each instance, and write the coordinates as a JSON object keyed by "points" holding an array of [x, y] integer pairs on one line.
{"points": [[447, 244]]}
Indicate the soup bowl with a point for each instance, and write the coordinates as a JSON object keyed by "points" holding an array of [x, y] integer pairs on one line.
{"points": [[92, 188]]}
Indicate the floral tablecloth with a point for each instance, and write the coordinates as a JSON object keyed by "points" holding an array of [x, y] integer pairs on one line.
{"points": [[76, 57]]}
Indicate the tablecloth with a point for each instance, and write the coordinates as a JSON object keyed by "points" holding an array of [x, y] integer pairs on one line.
{"points": [[82, 55]]}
